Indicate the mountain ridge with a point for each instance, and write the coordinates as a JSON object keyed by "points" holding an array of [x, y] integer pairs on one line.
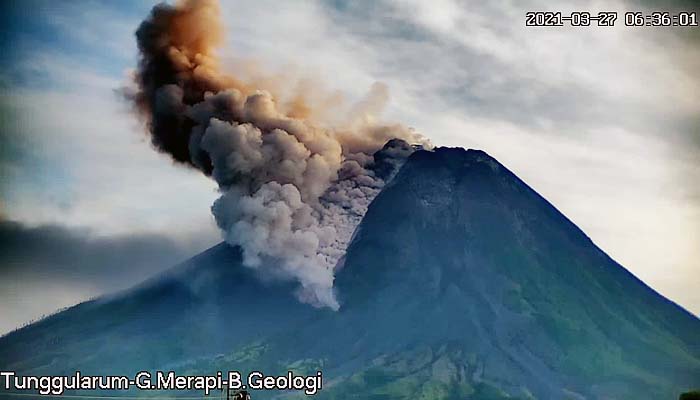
{"points": [[481, 156], [460, 282]]}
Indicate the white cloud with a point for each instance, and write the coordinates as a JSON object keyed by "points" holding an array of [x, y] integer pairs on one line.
{"points": [[107, 176]]}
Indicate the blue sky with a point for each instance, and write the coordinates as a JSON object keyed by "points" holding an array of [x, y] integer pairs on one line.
{"points": [[602, 122]]}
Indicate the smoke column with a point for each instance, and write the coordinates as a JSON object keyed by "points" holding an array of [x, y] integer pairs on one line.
{"points": [[292, 189]]}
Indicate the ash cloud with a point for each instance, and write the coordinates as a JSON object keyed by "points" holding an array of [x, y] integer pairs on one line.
{"points": [[293, 189]]}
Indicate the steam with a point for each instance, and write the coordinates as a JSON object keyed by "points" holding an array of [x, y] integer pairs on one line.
{"points": [[292, 189]]}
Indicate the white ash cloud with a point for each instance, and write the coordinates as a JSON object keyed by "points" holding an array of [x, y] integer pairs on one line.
{"points": [[292, 189]]}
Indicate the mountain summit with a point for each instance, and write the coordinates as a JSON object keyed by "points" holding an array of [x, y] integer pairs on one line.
{"points": [[460, 282]]}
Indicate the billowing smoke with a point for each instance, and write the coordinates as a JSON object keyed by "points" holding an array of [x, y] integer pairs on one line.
{"points": [[292, 189]]}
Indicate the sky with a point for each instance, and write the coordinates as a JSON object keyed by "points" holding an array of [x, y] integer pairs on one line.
{"points": [[603, 122]]}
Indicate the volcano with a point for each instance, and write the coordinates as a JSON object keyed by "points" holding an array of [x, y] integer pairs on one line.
{"points": [[461, 282]]}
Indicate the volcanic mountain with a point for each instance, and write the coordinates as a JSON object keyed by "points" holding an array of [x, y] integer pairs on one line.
{"points": [[460, 282]]}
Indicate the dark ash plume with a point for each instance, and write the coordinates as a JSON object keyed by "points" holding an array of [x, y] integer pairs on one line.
{"points": [[292, 189]]}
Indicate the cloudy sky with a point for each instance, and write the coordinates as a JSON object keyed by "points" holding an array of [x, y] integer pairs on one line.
{"points": [[603, 122]]}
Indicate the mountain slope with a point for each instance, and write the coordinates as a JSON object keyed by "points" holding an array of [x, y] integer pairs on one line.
{"points": [[461, 282], [195, 309], [492, 264]]}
